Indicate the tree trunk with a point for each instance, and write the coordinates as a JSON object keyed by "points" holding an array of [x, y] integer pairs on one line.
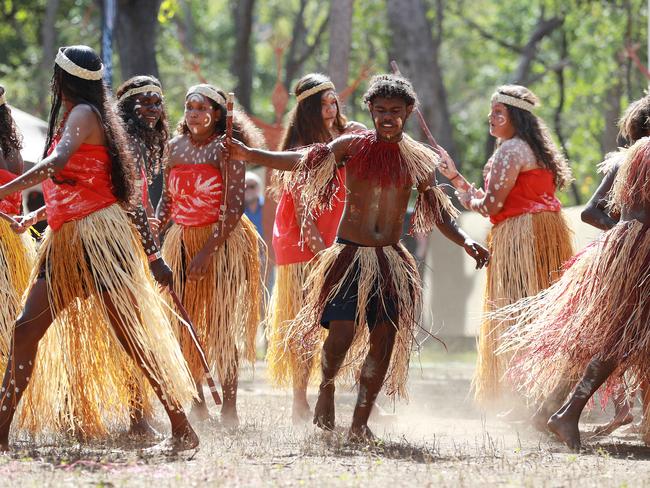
{"points": [[340, 41], [136, 30], [48, 46], [242, 60], [416, 50], [613, 96]]}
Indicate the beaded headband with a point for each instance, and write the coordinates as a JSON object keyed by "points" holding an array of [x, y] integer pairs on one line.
{"points": [[75, 70], [513, 101], [328, 85], [206, 91], [2, 100], [140, 89]]}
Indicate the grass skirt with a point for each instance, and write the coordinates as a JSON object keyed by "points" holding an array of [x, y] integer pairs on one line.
{"points": [[289, 360], [225, 305], [527, 253], [599, 308], [83, 379], [17, 254], [389, 271]]}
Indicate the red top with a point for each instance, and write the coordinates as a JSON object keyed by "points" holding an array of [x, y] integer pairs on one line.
{"points": [[288, 246], [11, 205], [196, 192], [534, 192], [83, 186]]}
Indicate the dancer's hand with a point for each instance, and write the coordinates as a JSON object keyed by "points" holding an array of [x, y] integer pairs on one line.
{"points": [[447, 166], [478, 252], [199, 266], [154, 225], [161, 273], [235, 149]]}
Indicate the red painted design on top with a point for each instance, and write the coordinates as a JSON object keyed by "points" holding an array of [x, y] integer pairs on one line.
{"points": [[196, 191]]}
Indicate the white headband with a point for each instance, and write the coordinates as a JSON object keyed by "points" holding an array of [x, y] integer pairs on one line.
{"points": [[2, 100], [141, 89], [328, 85], [75, 70], [513, 101], [206, 91]]}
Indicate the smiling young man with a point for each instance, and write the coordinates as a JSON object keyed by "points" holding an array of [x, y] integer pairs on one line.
{"points": [[365, 288]]}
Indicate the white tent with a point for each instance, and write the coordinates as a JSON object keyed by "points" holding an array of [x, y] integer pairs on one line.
{"points": [[34, 132]]}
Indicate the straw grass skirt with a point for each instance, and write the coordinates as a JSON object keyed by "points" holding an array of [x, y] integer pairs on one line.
{"points": [[225, 305], [527, 253], [388, 273], [82, 381], [289, 360], [17, 254]]}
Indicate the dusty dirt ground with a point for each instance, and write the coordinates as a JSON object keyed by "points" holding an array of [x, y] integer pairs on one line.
{"points": [[439, 439]]}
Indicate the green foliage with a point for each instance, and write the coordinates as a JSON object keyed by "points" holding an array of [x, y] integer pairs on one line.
{"points": [[196, 41]]}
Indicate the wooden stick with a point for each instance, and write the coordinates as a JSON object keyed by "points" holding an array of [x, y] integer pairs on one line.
{"points": [[423, 124], [187, 322], [8, 218]]}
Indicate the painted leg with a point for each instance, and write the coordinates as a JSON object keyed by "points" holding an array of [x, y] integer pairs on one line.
{"points": [[551, 404], [30, 327], [373, 373], [199, 412], [229, 416], [564, 423], [335, 348], [183, 436], [300, 411], [140, 426]]}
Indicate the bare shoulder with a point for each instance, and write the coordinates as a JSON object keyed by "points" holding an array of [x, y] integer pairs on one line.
{"points": [[346, 145], [515, 151]]}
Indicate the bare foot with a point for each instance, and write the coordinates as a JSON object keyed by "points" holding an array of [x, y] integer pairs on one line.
{"points": [[300, 413], [361, 435], [229, 418], [566, 430], [199, 412], [4, 445], [142, 428], [182, 439], [632, 429], [324, 414], [623, 417]]}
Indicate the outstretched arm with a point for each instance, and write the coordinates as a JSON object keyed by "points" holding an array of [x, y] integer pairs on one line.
{"points": [[26, 221], [596, 212], [78, 127], [282, 160]]}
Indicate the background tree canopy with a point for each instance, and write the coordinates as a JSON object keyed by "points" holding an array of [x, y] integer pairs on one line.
{"points": [[572, 54]]}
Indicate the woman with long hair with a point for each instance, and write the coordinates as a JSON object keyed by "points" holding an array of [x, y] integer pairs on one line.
{"points": [[210, 245], [530, 238], [297, 238], [16, 252], [140, 105], [90, 283]]}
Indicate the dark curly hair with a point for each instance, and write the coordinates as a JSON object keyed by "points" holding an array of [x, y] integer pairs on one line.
{"points": [[635, 122], [390, 86], [154, 138], [10, 137], [532, 129], [243, 128], [305, 122], [96, 95]]}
